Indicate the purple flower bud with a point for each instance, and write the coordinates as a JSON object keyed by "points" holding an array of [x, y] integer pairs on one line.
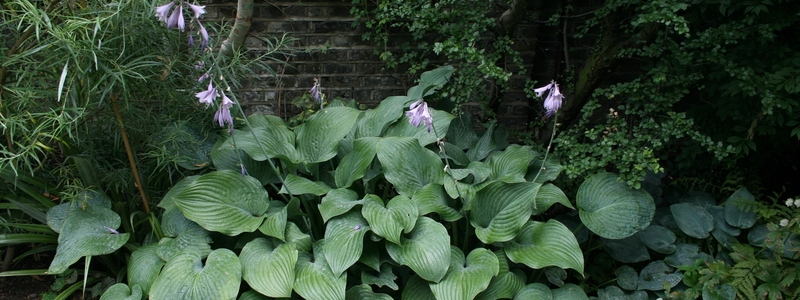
{"points": [[176, 19], [419, 113], [315, 93], [197, 9], [204, 77], [204, 34], [208, 95], [112, 230], [223, 115]]}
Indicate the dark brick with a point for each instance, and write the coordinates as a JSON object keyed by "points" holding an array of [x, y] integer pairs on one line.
{"points": [[340, 81], [366, 68], [340, 41], [333, 54], [316, 40], [380, 81], [319, 11], [340, 11], [295, 11], [333, 26], [366, 54], [361, 96], [282, 27], [268, 11]]}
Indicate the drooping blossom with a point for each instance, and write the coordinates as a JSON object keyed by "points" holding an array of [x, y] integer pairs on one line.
{"points": [[163, 11], [315, 93], [176, 19], [204, 77], [208, 95], [223, 115], [789, 202], [784, 222], [197, 9], [553, 100], [419, 113], [204, 35]]}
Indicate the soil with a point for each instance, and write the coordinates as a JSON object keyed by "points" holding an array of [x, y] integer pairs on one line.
{"points": [[26, 287]]}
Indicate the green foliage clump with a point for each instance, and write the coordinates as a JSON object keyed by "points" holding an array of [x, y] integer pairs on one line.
{"points": [[413, 35]]}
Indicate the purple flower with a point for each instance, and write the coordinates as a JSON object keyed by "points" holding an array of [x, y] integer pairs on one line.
{"points": [[554, 98], [223, 114], [204, 34], [200, 64], [111, 230], [316, 94], [176, 19], [204, 77], [191, 40], [419, 113], [208, 95], [163, 11], [197, 9]]}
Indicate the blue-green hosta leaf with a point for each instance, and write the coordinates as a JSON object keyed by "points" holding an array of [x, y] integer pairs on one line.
{"points": [[121, 291], [226, 157], [364, 292], [430, 81], [269, 269], [485, 145], [417, 289], [702, 199], [302, 241], [725, 291], [739, 209], [399, 215], [269, 134], [685, 254], [315, 280], [375, 121], [613, 292], [407, 165], [454, 155], [555, 275], [253, 295], [507, 282], [168, 202], [426, 249], [338, 202], [627, 277], [441, 123], [718, 212], [569, 292], [371, 257], [511, 163], [466, 278], [300, 185], [548, 195], [433, 199], [195, 238], [354, 165], [658, 238], [541, 244], [224, 201], [84, 231], [628, 250], [461, 133], [344, 241], [656, 275], [318, 137], [185, 276], [275, 223], [692, 219], [534, 291], [383, 278], [144, 266], [501, 209], [550, 172], [612, 209]]}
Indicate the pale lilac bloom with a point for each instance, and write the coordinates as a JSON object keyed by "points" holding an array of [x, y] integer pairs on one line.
{"points": [[204, 77], [316, 94], [223, 114], [204, 34], [197, 9], [191, 40], [176, 19], [208, 95], [200, 65], [163, 11], [554, 98], [419, 113], [111, 230]]}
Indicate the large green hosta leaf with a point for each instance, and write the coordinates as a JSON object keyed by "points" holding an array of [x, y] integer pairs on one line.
{"points": [[407, 165], [375, 121], [430, 81], [185, 277], [338, 202], [318, 137], [272, 139], [433, 199], [466, 278], [181, 233], [417, 289], [344, 241], [354, 165], [277, 215], [269, 269], [692, 219], [426, 250], [537, 291], [511, 164], [364, 292], [399, 215], [548, 195], [144, 266], [739, 209], [500, 209], [385, 277], [507, 282], [121, 291], [541, 244], [315, 280], [84, 225], [224, 201], [611, 208], [300, 185]]}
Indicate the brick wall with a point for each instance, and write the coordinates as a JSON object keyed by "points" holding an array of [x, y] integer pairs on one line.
{"points": [[328, 47]]}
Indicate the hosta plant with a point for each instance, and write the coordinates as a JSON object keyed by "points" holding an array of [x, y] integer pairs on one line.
{"points": [[356, 204]]}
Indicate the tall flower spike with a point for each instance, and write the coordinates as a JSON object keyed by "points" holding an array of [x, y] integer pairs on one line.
{"points": [[419, 113], [163, 11], [208, 95]]}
